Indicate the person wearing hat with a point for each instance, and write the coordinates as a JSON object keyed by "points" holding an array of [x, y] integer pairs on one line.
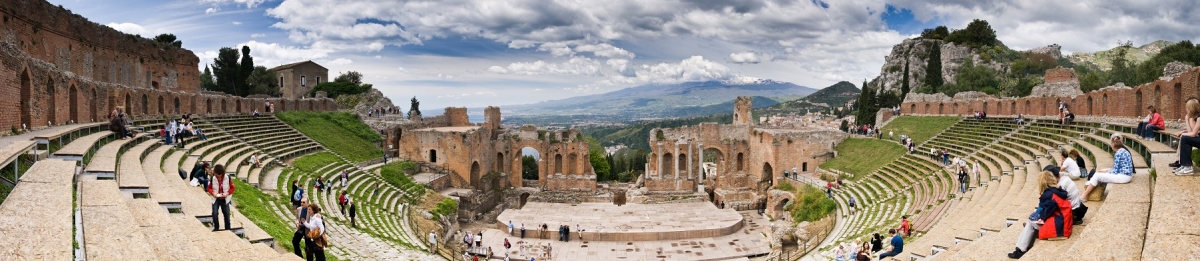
{"points": [[1122, 170], [1067, 184]]}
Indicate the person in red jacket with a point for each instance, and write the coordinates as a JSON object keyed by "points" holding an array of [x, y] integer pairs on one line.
{"points": [[1154, 122], [221, 187], [905, 227]]}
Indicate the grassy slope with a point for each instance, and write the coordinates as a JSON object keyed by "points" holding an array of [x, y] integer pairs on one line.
{"points": [[861, 156], [920, 128], [338, 131], [254, 204]]}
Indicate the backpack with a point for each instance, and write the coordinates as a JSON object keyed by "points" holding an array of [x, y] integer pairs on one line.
{"points": [[299, 195], [1058, 226]]}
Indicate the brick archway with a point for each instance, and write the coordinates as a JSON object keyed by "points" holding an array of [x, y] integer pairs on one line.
{"points": [[26, 100]]}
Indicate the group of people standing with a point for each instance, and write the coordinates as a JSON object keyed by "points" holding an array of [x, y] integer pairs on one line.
{"points": [[310, 227], [174, 132]]}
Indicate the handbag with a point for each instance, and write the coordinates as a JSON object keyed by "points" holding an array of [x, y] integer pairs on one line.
{"points": [[318, 237]]}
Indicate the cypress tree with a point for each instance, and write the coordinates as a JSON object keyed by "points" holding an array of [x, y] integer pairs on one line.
{"points": [[933, 71]]}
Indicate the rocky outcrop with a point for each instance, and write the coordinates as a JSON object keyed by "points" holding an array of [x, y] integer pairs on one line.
{"points": [[922, 97], [955, 56], [1053, 50], [973, 95], [915, 53], [1174, 69]]}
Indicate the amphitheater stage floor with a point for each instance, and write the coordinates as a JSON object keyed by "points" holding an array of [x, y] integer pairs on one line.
{"points": [[748, 241], [631, 222]]}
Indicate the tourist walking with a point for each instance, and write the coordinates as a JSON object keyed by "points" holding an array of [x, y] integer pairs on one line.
{"points": [[342, 202], [852, 205], [220, 188], [433, 244], [315, 240], [1122, 171], [1048, 213], [301, 230], [353, 212], [963, 179], [479, 239], [510, 228]]}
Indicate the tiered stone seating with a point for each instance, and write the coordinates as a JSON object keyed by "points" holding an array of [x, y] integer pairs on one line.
{"points": [[267, 133], [38, 214], [983, 221]]}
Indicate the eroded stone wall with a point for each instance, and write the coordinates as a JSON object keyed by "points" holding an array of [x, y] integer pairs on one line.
{"points": [[1119, 101]]}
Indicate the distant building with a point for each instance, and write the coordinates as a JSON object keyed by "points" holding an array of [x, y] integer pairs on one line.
{"points": [[297, 79]]}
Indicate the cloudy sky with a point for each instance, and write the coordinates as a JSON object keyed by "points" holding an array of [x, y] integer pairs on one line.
{"points": [[498, 52]]}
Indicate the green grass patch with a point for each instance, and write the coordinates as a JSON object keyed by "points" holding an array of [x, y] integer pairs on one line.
{"points": [[312, 162], [254, 204], [394, 173], [811, 204], [861, 156], [919, 128], [339, 131]]}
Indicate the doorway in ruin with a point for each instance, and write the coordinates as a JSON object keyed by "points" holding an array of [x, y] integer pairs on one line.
{"points": [[740, 162], [237, 105], [224, 109], [682, 165], [176, 105], [572, 164], [162, 106], [128, 104], [558, 163], [52, 107], [668, 166], [73, 103], [145, 105], [208, 106], [475, 175], [767, 172], [26, 101], [1177, 101], [714, 156], [499, 163], [524, 199], [433, 156], [530, 161], [780, 208]]}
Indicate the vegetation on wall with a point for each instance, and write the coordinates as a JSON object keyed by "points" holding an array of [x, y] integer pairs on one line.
{"points": [[348, 83]]}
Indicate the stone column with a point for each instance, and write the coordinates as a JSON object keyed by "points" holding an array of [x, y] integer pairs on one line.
{"points": [[691, 157], [675, 165], [660, 158], [700, 159]]}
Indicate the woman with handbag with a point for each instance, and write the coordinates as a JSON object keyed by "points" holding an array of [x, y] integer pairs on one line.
{"points": [[315, 240], [1048, 213]]}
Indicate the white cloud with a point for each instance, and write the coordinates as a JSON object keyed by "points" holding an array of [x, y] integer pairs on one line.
{"points": [[573, 66], [695, 68], [129, 28], [402, 69], [258, 35], [618, 64], [247, 3], [744, 57], [237, 23], [211, 10], [274, 54], [462, 95], [381, 56], [605, 50], [445, 76], [340, 61]]}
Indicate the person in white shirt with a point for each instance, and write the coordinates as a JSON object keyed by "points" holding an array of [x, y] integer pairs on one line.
{"points": [[976, 170], [1069, 166], [315, 221]]}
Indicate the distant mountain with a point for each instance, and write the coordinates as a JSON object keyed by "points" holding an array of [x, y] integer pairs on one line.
{"points": [[1103, 59], [833, 96], [687, 99]]}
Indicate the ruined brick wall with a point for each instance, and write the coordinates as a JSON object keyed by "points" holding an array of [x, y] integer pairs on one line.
{"points": [[95, 52], [471, 154], [43, 95], [491, 116], [1167, 93], [457, 116], [1060, 75], [741, 110]]}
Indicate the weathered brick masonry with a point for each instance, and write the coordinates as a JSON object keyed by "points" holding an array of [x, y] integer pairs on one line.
{"points": [[1168, 93], [57, 67]]}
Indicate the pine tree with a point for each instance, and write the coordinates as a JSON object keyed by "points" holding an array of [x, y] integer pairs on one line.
{"points": [[933, 71]]}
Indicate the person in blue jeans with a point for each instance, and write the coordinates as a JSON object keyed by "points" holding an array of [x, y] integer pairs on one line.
{"points": [[897, 245]]}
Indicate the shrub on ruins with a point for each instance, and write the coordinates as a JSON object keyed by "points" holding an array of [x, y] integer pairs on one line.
{"points": [[348, 83], [977, 34], [1151, 69], [813, 204], [168, 39], [262, 81], [529, 167], [446, 208], [596, 156]]}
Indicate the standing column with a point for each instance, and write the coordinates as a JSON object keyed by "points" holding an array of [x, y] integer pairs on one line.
{"points": [[700, 159], [690, 159], [675, 168], [660, 157]]}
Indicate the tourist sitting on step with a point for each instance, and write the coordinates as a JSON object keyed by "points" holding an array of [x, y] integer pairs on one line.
{"points": [[1049, 219], [905, 226], [1153, 122], [1068, 165], [897, 245], [864, 252], [220, 188], [1083, 171], [1078, 209], [876, 242], [1122, 171], [1188, 138]]}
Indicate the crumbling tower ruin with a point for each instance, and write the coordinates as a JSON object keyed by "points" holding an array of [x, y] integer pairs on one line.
{"points": [[741, 110]]}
